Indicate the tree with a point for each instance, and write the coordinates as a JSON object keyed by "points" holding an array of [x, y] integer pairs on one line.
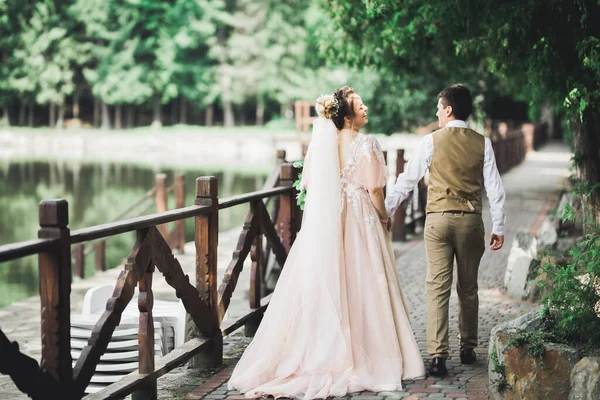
{"points": [[46, 56], [549, 50], [192, 26], [267, 49], [13, 13]]}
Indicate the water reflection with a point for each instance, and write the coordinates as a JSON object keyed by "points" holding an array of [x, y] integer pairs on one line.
{"points": [[96, 193]]}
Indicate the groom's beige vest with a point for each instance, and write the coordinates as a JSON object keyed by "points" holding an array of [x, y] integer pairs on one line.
{"points": [[456, 171]]}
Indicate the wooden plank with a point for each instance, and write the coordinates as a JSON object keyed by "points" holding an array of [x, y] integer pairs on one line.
{"points": [[207, 241], [180, 203], [146, 336], [161, 200], [27, 375], [273, 179], [133, 224], [249, 232], [26, 248], [256, 280], [80, 261], [249, 197], [168, 265], [137, 262], [55, 291], [100, 252], [271, 234], [134, 380], [286, 223]]}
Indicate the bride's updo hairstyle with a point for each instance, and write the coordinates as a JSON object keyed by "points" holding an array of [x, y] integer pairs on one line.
{"points": [[345, 105]]}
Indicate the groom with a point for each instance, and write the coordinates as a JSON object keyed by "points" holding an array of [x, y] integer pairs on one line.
{"points": [[461, 163]]}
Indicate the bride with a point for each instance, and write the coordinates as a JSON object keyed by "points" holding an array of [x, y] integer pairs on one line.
{"points": [[337, 321]]}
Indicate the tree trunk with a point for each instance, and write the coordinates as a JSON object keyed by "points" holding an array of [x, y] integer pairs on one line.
{"points": [[118, 109], [156, 111], [61, 115], [22, 112], [210, 111], [105, 116], [6, 113], [52, 116], [241, 115], [174, 112], [96, 118], [283, 111], [31, 117], [586, 145], [76, 103], [228, 116], [182, 110], [130, 116], [260, 112]]}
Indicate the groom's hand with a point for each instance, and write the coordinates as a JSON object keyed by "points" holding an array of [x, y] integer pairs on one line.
{"points": [[496, 241]]}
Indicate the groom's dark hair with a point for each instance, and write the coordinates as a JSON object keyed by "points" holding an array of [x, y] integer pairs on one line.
{"points": [[459, 98]]}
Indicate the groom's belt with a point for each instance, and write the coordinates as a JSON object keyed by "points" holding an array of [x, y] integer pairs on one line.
{"points": [[453, 212]]}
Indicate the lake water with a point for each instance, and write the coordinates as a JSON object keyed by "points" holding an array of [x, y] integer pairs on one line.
{"points": [[96, 193]]}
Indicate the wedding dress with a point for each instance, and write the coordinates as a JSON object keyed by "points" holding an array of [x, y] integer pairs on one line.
{"points": [[337, 321]]}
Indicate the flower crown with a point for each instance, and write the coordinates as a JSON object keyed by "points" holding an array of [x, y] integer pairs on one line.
{"points": [[327, 106]]}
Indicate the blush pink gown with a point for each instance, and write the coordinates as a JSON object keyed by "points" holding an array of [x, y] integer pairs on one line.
{"points": [[328, 334]]}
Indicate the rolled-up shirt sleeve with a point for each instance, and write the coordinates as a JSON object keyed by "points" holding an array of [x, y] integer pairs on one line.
{"points": [[494, 189], [415, 170]]}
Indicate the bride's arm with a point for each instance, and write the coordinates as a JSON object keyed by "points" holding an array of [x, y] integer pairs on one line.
{"points": [[378, 200]]}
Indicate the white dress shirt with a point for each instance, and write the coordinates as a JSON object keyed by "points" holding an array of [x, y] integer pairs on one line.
{"points": [[420, 162]]}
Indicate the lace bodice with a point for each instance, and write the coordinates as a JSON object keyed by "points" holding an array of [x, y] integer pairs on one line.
{"points": [[364, 170]]}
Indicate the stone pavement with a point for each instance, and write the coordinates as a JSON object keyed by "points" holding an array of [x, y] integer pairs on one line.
{"points": [[532, 191]]}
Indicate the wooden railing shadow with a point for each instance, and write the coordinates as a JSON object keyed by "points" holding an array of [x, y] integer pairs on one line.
{"points": [[206, 302]]}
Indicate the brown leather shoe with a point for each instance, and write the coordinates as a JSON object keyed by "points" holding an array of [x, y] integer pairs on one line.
{"points": [[467, 356]]}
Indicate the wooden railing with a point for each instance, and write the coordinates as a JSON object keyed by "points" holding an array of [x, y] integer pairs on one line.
{"points": [[511, 142], [206, 302], [159, 193], [411, 212]]}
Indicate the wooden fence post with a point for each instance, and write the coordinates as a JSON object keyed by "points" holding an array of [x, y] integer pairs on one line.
{"points": [[287, 224], [306, 122], [180, 203], [100, 250], [304, 149], [256, 276], [80, 261], [55, 291], [146, 336], [399, 227], [161, 202], [298, 115], [207, 241], [281, 154]]}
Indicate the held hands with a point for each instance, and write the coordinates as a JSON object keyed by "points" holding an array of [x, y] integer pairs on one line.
{"points": [[496, 241], [387, 222]]}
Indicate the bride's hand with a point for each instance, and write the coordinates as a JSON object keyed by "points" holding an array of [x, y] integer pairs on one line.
{"points": [[387, 222]]}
